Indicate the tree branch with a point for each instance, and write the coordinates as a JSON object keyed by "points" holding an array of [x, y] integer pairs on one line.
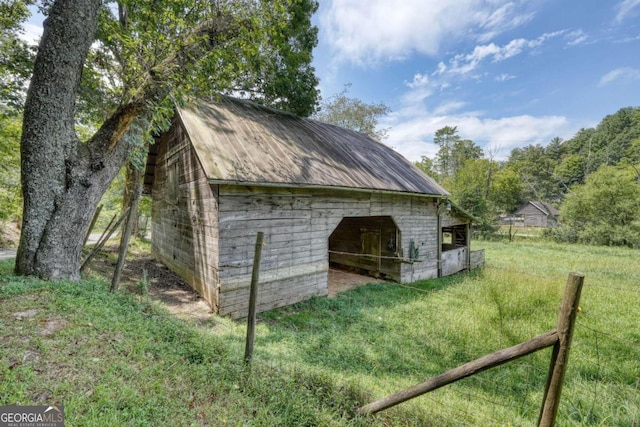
{"points": [[156, 83]]}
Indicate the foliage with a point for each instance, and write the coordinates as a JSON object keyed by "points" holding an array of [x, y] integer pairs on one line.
{"points": [[605, 210], [609, 143], [16, 61], [426, 165], [123, 361], [454, 151], [354, 114], [111, 201], [480, 186], [16, 56], [543, 173], [548, 172], [280, 74], [10, 195], [469, 188], [570, 171], [506, 192], [536, 169]]}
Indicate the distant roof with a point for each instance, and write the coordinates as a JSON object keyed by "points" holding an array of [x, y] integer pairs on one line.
{"points": [[543, 207], [241, 142]]}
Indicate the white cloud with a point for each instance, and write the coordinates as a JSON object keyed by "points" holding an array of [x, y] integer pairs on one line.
{"points": [[504, 77], [465, 63], [626, 9], [627, 39], [502, 19], [448, 107], [576, 37], [381, 30], [624, 73], [413, 136], [441, 68], [419, 80]]}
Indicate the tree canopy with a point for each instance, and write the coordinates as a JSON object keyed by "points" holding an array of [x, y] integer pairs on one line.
{"points": [[454, 151], [122, 66], [605, 210], [16, 56], [594, 178], [354, 114]]}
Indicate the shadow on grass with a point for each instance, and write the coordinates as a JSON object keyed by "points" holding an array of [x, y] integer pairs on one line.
{"points": [[363, 330]]}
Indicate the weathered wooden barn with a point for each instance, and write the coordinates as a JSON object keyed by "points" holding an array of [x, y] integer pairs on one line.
{"points": [[538, 214], [323, 196]]}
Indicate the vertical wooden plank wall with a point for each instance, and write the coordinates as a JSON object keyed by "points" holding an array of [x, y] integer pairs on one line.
{"points": [[296, 225], [416, 217], [184, 216]]}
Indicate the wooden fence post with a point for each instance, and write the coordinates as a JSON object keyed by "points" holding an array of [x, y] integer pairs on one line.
{"points": [[126, 235], [105, 236], [560, 355], [559, 339], [253, 296], [96, 214]]}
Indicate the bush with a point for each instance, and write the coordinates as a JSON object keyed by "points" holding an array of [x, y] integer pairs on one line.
{"points": [[603, 211], [562, 234]]}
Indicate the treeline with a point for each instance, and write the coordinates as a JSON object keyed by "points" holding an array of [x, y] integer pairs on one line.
{"points": [[593, 178]]}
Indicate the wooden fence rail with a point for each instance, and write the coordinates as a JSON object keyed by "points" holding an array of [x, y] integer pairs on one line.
{"points": [[559, 339]]}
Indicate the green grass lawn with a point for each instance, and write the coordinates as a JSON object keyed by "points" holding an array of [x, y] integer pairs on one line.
{"points": [[121, 360]]}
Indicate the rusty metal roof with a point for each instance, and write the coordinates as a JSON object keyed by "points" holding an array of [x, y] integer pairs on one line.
{"points": [[241, 142]]}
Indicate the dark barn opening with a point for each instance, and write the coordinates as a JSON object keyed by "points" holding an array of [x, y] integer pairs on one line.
{"points": [[454, 237], [367, 246]]}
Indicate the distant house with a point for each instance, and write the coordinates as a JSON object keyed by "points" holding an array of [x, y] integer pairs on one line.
{"points": [[538, 214], [323, 196]]}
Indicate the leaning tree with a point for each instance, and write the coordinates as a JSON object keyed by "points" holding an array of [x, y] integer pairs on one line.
{"points": [[125, 64]]}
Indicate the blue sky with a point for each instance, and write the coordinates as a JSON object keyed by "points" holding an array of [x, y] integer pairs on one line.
{"points": [[506, 73]]}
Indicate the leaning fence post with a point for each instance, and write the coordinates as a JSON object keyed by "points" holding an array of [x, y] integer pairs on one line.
{"points": [[126, 233], [560, 355], [105, 236], [253, 296], [96, 214]]}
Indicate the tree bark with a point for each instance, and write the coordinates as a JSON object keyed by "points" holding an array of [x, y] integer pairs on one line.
{"points": [[63, 179]]}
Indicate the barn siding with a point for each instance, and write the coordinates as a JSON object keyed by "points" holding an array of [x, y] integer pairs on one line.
{"points": [[292, 267], [533, 217], [296, 225], [477, 259], [454, 260], [449, 219], [184, 216]]}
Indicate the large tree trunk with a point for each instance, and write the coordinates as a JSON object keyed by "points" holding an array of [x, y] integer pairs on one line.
{"points": [[62, 178]]}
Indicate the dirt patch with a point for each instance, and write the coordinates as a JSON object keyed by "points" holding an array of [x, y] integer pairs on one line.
{"points": [[27, 314], [143, 275], [340, 281], [51, 326]]}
